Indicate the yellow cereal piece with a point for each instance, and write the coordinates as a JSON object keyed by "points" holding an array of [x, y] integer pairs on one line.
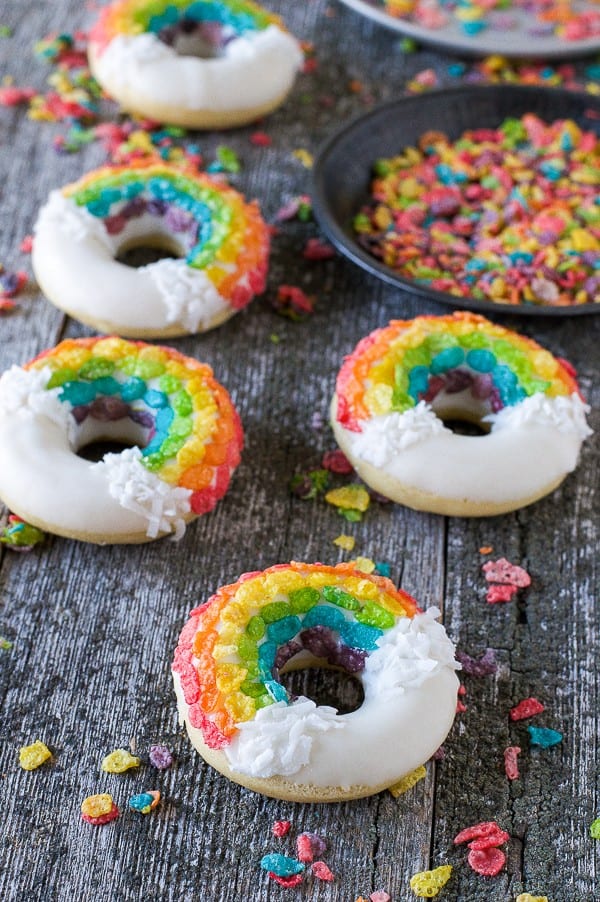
{"points": [[364, 564], [229, 677], [582, 240], [349, 497], [119, 761], [32, 756], [345, 542], [240, 706], [427, 884], [97, 806], [304, 157], [408, 781], [527, 897]]}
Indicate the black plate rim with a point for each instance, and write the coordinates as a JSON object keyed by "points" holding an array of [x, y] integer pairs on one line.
{"points": [[350, 249]]}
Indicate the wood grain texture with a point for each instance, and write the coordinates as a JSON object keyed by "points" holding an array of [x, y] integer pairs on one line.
{"points": [[94, 628]]}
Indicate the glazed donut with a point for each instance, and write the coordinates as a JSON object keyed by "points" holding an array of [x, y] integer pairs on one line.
{"points": [[144, 54], [242, 719], [185, 434], [222, 243], [396, 389]]}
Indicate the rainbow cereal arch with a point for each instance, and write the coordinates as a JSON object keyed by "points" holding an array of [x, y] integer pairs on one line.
{"points": [[135, 17], [195, 435], [228, 238], [233, 646], [394, 368]]}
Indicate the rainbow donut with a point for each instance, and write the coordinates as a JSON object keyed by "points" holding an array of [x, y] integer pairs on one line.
{"points": [[242, 719], [184, 432], [396, 389], [222, 243], [196, 63]]}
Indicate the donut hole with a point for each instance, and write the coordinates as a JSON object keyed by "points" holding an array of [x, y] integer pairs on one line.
{"points": [[96, 438], [462, 413], [203, 40], [324, 685], [145, 249]]}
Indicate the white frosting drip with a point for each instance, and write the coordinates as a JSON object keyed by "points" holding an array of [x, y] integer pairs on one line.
{"points": [[76, 223], [566, 413], [255, 69], [392, 432], [188, 294], [409, 654], [280, 738], [23, 392], [138, 490]]}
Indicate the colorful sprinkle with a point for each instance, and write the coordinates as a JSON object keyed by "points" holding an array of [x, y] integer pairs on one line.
{"points": [[99, 810], [544, 737], [408, 782], [529, 707], [33, 756], [427, 884], [119, 761]]}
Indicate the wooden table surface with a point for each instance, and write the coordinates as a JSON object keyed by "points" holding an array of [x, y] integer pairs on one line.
{"points": [[93, 628]]}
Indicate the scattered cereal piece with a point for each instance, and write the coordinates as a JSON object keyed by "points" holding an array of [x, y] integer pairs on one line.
{"points": [[34, 755], [308, 845], [478, 667], [281, 828], [119, 761], [427, 884], [309, 485], [544, 737], [281, 865], [486, 549], [511, 766], [304, 157], [321, 871], [477, 831], [382, 568], [99, 810], [337, 462], [345, 542], [288, 882], [408, 781], [315, 249], [5, 644], [160, 757], [353, 497], [526, 708], [26, 245], [595, 829], [292, 302], [380, 895], [145, 802], [20, 536], [261, 139], [527, 897], [502, 571], [500, 593], [487, 862]]}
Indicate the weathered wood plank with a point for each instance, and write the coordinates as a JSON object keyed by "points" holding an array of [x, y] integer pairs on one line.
{"points": [[94, 628]]}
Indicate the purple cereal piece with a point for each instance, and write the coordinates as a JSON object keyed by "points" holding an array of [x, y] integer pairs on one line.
{"points": [[160, 757], [478, 667]]}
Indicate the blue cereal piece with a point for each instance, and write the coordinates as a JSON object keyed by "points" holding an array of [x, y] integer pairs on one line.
{"points": [[544, 736], [281, 865]]}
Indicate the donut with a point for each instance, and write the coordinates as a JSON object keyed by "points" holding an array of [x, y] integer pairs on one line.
{"points": [[183, 431], [221, 241], [395, 390], [197, 63], [242, 719]]}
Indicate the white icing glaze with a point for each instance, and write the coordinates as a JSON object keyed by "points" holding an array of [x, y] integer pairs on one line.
{"points": [[137, 489], [44, 481], [531, 445], [255, 69], [410, 699], [73, 259]]}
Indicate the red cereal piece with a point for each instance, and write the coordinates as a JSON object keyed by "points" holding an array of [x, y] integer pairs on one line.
{"points": [[281, 828], [13, 96], [511, 766], [304, 849], [26, 244], [321, 871], [489, 842], [288, 882], [502, 571], [102, 819], [529, 707], [337, 462], [487, 862], [500, 593], [477, 831], [261, 139], [314, 249]]}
